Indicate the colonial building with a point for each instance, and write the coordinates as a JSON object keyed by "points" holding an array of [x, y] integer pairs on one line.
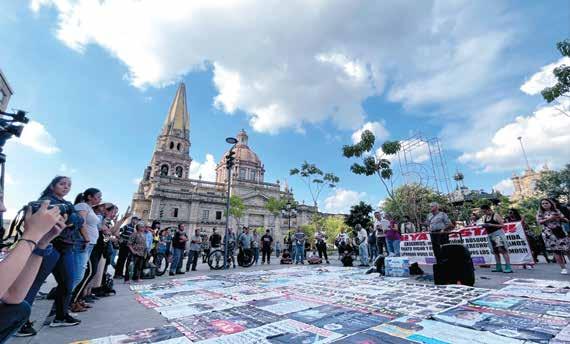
{"points": [[5, 92], [525, 185], [166, 193]]}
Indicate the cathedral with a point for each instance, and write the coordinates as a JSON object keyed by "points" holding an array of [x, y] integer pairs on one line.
{"points": [[166, 193]]}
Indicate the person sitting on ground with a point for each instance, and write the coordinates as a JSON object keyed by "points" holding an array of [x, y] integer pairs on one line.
{"points": [[21, 264], [286, 257], [493, 224], [346, 258], [314, 258]]}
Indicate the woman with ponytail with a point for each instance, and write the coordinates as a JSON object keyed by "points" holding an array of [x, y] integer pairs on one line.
{"points": [[84, 203]]}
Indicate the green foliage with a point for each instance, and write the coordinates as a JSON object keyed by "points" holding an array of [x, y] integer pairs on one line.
{"points": [[274, 205], [412, 200], [556, 184], [562, 74], [359, 214], [237, 208], [371, 163], [528, 208], [315, 179], [332, 226]]}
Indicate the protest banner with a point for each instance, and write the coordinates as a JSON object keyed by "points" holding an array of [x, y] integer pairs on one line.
{"points": [[417, 246]]}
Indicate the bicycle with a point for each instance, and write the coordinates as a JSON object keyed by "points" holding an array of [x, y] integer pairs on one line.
{"points": [[245, 258], [216, 258]]}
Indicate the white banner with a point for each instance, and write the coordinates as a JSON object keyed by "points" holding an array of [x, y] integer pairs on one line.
{"points": [[417, 246]]}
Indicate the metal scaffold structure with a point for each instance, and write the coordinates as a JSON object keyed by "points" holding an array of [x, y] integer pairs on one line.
{"points": [[421, 161]]}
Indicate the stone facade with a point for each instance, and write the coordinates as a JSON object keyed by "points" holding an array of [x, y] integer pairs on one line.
{"points": [[5, 92], [525, 185], [167, 194]]}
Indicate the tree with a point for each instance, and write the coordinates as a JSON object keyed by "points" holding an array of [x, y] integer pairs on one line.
{"points": [[556, 184], [274, 206], [237, 209], [373, 164], [359, 214], [413, 201], [332, 226], [315, 179], [562, 74]]}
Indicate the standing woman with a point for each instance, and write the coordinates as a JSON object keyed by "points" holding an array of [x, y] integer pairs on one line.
{"points": [[555, 238], [59, 261], [84, 203]]}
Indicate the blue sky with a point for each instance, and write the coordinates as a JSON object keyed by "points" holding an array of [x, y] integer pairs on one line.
{"points": [[97, 79]]}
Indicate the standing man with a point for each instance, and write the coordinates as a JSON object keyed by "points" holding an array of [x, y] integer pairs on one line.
{"points": [[299, 239], [363, 245], [266, 241], [493, 224], [244, 242], [439, 226], [321, 243], [124, 236], [194, 251], [178, 245], [372, 246], [381, 226], [215, 239], [231, 242]]}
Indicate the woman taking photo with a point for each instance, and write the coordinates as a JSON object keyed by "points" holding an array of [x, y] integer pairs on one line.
{"points": [[59, 261], [555, 238]]}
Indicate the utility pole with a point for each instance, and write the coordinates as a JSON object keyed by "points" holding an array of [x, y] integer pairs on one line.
{"points": [[524, 153]]}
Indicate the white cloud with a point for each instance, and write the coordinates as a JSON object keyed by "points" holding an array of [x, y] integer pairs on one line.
{"points": [[544, 78], [136, 181], [546, 138], [377, 128], [206, 169], [36, 136], [289, 64], [341, 200], [9, 180], [505, 186], [63, 168]]}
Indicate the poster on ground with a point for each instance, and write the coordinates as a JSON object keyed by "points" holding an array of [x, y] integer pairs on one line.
{"points": [[417, 246]]}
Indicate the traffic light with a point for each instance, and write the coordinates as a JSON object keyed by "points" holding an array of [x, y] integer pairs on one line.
{"points": [[230, 158]]}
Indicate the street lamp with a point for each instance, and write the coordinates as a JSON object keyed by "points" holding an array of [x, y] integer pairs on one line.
{"points": [[291, 211], [230, 160]]}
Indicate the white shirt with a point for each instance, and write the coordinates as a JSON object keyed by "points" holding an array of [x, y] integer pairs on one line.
{"points": [[363, 236], [92, 222]]}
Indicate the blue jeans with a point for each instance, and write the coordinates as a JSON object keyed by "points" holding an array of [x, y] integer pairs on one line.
{"points": [[80, 258], [393, 247], [299, 253], [363, 253], [255, 254], [12, 317], [48, 264], [177, 256]]}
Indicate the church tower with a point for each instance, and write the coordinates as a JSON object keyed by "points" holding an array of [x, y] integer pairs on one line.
{"points": [[171, 157]]}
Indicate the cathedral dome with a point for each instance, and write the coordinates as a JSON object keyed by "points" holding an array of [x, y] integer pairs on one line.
{"points": [[243, 153]]}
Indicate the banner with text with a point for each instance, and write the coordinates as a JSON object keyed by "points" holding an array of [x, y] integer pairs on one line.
{"points": [[417, 246]]}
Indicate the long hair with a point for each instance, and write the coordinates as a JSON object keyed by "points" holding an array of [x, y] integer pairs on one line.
{"points": [[552, 205], [49, 189], [516, 214], [84, 196], [154, 223]]}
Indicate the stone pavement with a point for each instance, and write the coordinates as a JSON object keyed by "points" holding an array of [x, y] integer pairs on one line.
{"points": [[121, 313]]}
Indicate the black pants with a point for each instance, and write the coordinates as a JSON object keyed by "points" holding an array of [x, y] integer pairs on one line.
{"points": [[12, 317], [266, 252], [90, 272], [381, 244], [322, 249], [438, 239], [137, 268], [123, 254]]}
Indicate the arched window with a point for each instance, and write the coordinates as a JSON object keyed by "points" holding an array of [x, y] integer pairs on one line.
{"points": [[164, 170], [179, 171], [178, 146], [171, 145]]}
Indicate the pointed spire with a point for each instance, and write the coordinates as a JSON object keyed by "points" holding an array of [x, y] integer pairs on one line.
{"points": [[177, 122]]}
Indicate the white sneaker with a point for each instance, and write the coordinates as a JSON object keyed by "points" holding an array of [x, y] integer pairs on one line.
{"points": [[564, 272]]}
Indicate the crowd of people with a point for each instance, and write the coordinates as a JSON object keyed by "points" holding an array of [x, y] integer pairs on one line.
{"points": [[77, 242]]}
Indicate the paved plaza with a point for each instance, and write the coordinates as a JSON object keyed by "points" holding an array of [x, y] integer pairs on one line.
{"points": [[283, 302]]}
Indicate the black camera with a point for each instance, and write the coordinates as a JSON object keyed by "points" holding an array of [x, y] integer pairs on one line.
{"points": [[63, 208]]}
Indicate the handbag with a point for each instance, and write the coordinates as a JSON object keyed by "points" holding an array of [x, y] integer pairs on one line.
{"points": [[558, 232]]}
